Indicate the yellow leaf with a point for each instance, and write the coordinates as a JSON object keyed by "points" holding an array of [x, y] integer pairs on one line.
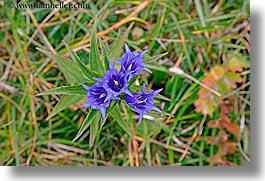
{"points": [[235, 64], [217, 72]]}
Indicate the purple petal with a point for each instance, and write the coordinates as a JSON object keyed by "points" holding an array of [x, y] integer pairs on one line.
{"points": [[129, 99], [111, 65], [127, 50], [103, 111], [87, 104], [108, 97], [85, 86], [148, 70], [99, 79], [127, 91], [142, 53], [156, 109], [140, 118], [157, 91], [117, 62], [143, 89]]}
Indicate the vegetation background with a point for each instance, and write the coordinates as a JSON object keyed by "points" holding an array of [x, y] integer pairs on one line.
{"points": [[205, 74]]}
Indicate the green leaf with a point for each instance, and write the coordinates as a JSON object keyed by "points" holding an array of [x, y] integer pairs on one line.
{"points": [[66, 101], [102, 122], [70, 90], [133, 80], [94, 73], [137, 88], [86, 123], [160, 68], [104, 52], [112, 105], [155, 58], [94, 58], [116, 114], [118, 44], [69, 69], [85, 71], [94, 128]]}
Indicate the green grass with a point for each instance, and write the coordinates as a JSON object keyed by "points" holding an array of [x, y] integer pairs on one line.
{"points": [[200, 35]]}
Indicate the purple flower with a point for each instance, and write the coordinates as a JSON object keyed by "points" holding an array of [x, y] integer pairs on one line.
{"points": [[132, 63], [115, 83], [142, 102], [97, 98]]}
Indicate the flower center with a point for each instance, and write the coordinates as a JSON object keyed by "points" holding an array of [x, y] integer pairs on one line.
{"points": [[116, 82], [130, 67], [139, 101], [103, 95]]}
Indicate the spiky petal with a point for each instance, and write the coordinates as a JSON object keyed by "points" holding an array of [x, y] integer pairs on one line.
{"points": [[132, 63], [142, 102], [115, 83], [97, 98]]}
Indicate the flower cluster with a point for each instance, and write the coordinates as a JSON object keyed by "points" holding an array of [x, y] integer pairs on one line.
{"points": [[115, 83]]}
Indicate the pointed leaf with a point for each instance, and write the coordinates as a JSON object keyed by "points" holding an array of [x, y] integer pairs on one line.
{"points": [[133, 80], [69, 69], [94, 58], [86, 123], [118, 45], [155, 58], [116, 114], [70, 90], [85, 71], [65, 102], [102, 122], [104, 52], [94, 128], [112, 105], [116, 48]]}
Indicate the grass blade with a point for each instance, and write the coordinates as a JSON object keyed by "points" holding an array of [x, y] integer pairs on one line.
{"points": [[200, 12]]}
